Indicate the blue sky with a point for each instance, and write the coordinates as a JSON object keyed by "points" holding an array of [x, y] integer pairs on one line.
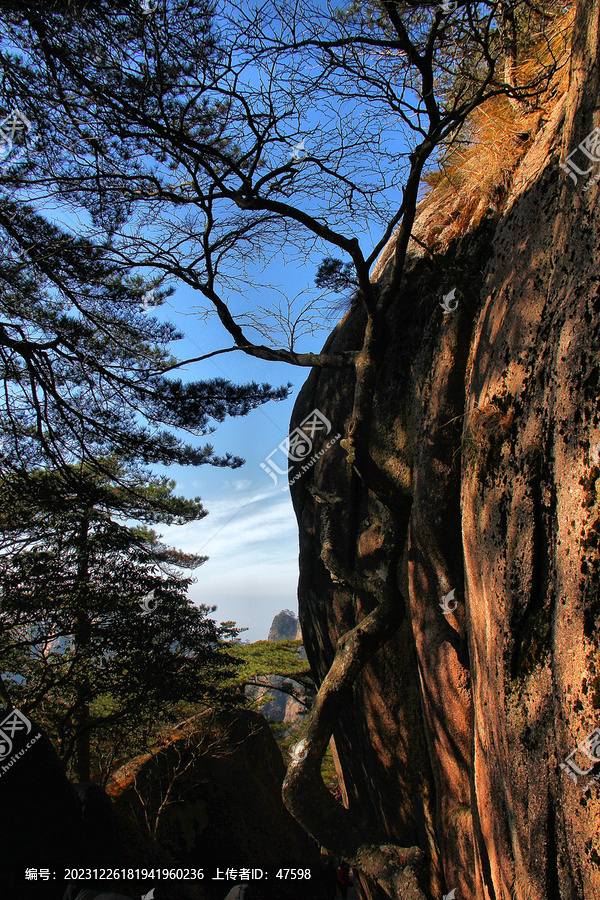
{"points": [[250, 533]]}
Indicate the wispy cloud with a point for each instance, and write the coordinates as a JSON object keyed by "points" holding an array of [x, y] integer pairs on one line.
{"points": [[252, 546]]}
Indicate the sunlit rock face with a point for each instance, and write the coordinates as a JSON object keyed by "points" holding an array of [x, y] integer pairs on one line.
{"points": [[489, 416], [284, 627]]}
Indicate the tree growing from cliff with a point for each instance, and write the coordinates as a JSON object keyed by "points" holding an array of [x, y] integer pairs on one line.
{"points": [[96, 629], [323, 126]]}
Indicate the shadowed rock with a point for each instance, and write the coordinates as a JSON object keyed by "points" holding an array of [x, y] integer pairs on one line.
{"points": [[488, 416], [219, 783]]}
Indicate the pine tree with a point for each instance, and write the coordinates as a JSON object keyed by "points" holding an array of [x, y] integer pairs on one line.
{"points": [[85, 367], [96, 626]]}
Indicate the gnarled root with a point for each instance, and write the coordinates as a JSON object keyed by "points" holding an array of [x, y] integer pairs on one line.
{"points": [[304, 792]]}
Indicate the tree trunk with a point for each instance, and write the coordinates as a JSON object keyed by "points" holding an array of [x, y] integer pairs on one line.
{"points": [[82, 760]]}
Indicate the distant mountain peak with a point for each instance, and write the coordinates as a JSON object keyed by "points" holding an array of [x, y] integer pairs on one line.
{"points": [[285, 627]]}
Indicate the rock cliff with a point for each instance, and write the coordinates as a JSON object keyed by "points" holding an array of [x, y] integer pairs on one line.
{"points": [[284, 627], [490, 416]]}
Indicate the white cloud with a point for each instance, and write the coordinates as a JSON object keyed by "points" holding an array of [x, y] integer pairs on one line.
{"points": [[252, 570]]}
